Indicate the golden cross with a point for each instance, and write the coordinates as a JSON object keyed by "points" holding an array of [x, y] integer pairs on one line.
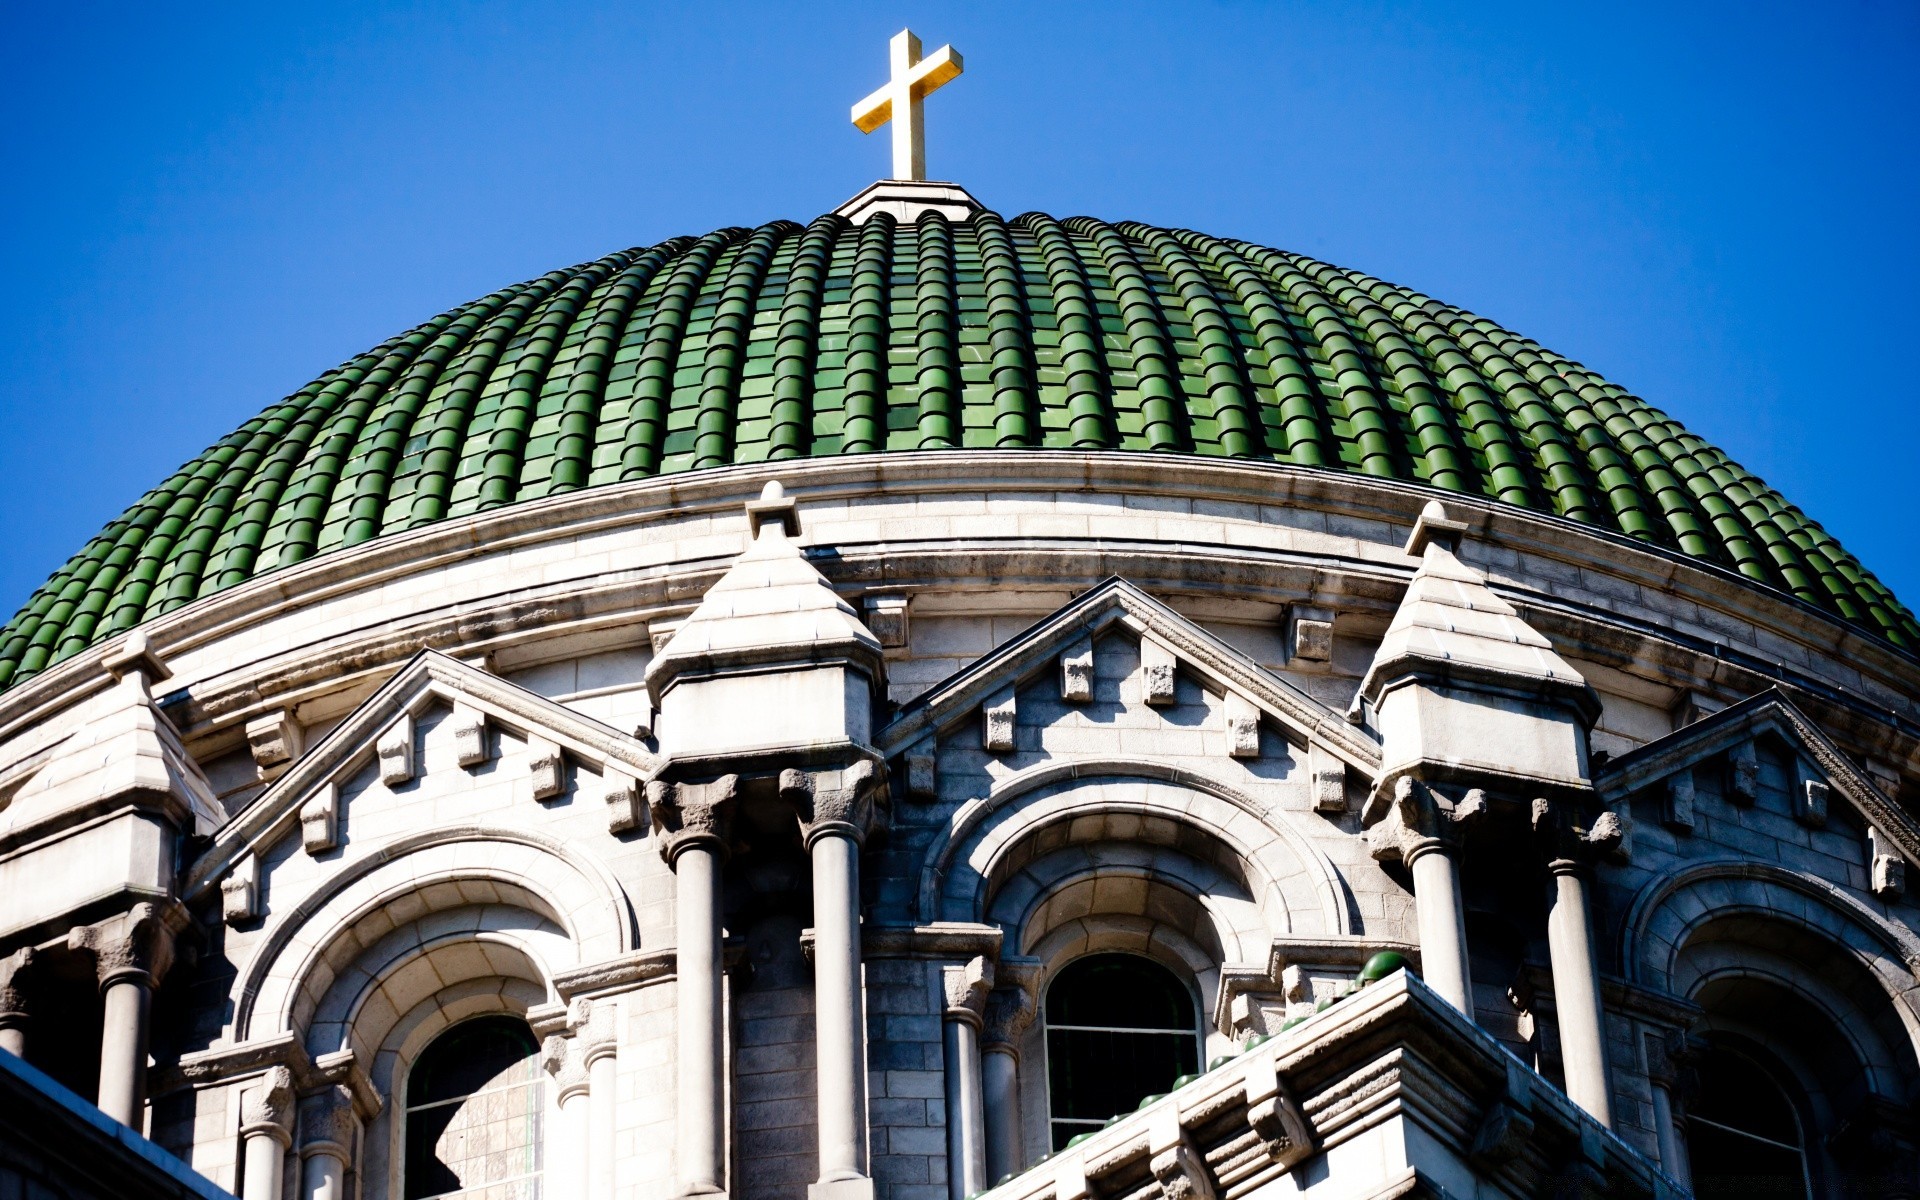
{"points": [[899, 101]]}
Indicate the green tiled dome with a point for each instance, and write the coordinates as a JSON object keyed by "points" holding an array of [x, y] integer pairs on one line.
{"points": [[782, 342]]}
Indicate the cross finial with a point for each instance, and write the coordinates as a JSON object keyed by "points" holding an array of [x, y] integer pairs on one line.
{"points": [[899, 101]]}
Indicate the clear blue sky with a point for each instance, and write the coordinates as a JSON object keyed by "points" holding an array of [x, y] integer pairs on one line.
{"points": [[1714, 205]]}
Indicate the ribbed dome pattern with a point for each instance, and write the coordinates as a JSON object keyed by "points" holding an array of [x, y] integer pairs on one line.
{"points": [[779, 342]]}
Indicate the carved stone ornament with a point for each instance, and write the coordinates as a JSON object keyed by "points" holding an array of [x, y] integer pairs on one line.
{"points": [[328, 1122], [966, 987], [1009, 1011], [844, 800], [137, 944], [1411, 826], [268, 1106], [1329, 781], [1886, 865], [593, 1023], [1275, 1115], [1569, 840], [923, 773], [1506, 1125], [1678, 812], [887, 617], [690, 814], [395, 751], [1180, 1169], [320, 820], [1743, 774], [1243, 727], [275, 740]]}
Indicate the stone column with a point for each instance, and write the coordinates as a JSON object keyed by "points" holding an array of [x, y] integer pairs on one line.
{"points": [[16, 975], [1664, 1057], [1418, 832], [266, 1131], [566, 1157], [1009, 1011], [837, 810], [328, 1127], [1570, 950], [693, 822], [593, 1023], [966, 989], [131, 953]]}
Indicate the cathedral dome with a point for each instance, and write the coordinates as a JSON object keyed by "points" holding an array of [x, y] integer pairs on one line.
{"points": [[746, 345]]}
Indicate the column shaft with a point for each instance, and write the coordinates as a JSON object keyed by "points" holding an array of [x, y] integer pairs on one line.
{"points": [[1576, 993], [566, 1172], [1443, 926], [265, 1154], [123, 1048], [600, 1110], [840, 1024], [966, 1116], [13, 1038], [1673, 1147], [324, 1178], [701, 1066], [1000, 1088]]}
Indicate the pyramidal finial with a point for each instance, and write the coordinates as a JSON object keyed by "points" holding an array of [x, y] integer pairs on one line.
{"points": [[1435, 527]]}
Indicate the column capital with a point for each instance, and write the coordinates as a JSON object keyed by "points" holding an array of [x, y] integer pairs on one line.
{"points": [[1010, 1009], [847, 800], [267, 1107], [1570, 841], [135, 945], [692, 814], [328, 1123], [592, 1025], [966, 986], [560, 1057], [16, 987], [1418, 820]]}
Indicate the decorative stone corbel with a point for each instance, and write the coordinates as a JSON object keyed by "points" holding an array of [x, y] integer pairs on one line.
{"points": [[1243, 726], [998, 718], [1886, 866], [846, 799], [1810, 799], [268, 1106], [469, 734], [1273, 1113], [320, 820], [1076, 672], [546, 769], [1413, 824], [1506, 1127], [923, 772], [1743, 774], [136, 944], [1566, 836], [626, 809], [240, 891], [966, 987], [1329, 781], [1158, 673], [1179, 1167], [1677, 814], [1310, 633], [887, 617], [276, 740], [661, 631], [686, 814], [395, 751]]}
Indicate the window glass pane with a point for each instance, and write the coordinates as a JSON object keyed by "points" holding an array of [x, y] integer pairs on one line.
{"points": [[1119, 1028], [1743, 1134], [473, 1119], [1119, 990]]}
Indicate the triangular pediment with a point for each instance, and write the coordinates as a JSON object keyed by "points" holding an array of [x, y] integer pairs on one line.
{"points": [[1116, 605], [1769, 714], [427, 680]]}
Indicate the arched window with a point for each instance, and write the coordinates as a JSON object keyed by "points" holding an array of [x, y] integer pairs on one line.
{"points": [[474, 1100], [1744, 1133], [1119, 1028]]}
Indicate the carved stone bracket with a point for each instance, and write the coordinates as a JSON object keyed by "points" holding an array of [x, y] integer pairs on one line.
{"points": [[1179, 1167], [328, 1122], [546, 768], [1012, 1006], [275, 741], [1275, 1115], [395, 752], [1076, 672], [560, 1058], [1569, 839], [320, 820], [136, 944], [692, 814], [1418, 819], [849, 799], [268, 1106], [469, 734], [966, 987], [240, 891], [626, 803]]}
